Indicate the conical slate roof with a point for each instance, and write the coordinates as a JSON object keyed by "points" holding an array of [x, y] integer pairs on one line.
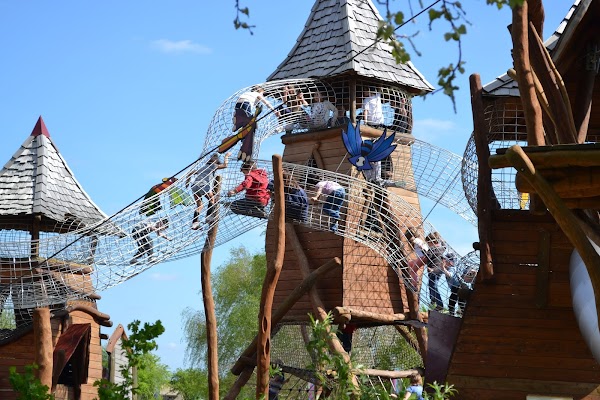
{"points": [[338, 38], [38, 181]]}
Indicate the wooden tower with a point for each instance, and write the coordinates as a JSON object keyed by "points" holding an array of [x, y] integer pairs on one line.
{"points": [[519, 336], [365, 282], [40, 199]]}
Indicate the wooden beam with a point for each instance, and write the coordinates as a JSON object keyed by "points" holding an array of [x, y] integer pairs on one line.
{"points": [[209, 304], [274, 265], [386, 374], [531, 105], [44, 348], [553, 85], [346, 314], [554, 159], [317, 155], [316, 302], [484, 180], [583, 99], [352, 89], [585, 183], [239, 383], [539, 90]]}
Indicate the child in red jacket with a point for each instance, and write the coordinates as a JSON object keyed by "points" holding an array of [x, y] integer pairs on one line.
{"points": [[257, 195]]}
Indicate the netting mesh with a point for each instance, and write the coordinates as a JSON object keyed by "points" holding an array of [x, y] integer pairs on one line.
{"points": [[506, 127], [169, 223], [382, 348]]}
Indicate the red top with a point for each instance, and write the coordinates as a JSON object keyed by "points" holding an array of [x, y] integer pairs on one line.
{"points": [[255, 185]]}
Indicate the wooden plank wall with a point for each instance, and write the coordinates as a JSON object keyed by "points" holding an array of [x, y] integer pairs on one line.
{"points": [[519, 335], [367, 282], [21, 352], [320, 247]]}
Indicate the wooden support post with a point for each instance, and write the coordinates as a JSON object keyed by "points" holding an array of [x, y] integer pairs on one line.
{"points": [[287, 304], [317, 304], [352, 90], [315, 299], [413, 306], [317, 155], [405, 333], [274, 265], [554, 159], [42, 334], [531, 106], [583, 99], [553, 87], [349, 313], [35, 235], [209, 305], [563, 216], [484, 180]]}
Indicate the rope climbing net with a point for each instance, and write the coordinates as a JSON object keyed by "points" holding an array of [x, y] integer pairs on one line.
{"points": [[77, 259]]}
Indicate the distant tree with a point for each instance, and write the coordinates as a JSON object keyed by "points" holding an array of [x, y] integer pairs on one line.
{"points": [[152, 377], [190, 383], [141, 341], [236, 289]]}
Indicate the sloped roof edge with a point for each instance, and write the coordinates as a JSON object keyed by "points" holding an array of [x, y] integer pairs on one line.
{"points": [[335, 40]]}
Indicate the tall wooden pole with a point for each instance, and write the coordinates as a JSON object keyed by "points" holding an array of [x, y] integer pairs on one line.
{"points": [[42, 333], [531, 105], [274, 265], [484, 179], [209, 303]]}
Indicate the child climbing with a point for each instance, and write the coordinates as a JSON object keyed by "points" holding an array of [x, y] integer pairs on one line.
{"points": [[333, 203], [416, 388], [296, 200], [436, 267], [141, 234], [257, 195], [202, 185], [419, 247]]}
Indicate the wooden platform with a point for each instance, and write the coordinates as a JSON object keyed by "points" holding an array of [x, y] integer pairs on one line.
{"points": [[519, 335]]}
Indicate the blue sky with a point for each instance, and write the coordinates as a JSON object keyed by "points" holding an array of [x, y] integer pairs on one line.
{"points": [[127, 90]]}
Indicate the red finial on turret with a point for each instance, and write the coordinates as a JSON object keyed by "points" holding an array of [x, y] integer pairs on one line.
{"points": [[40, 128]]}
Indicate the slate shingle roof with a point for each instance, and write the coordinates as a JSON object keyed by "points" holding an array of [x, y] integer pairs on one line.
{"points": [[335, 41], [505, 85], [37, 180]]}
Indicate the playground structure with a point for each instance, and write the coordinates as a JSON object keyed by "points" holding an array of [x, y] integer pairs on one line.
{"points": [[73, 258]]}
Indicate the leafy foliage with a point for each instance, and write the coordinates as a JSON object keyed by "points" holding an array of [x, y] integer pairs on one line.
{"points": [[240, 13], [236, 290], [449, 11], [7, 319], [140, 343], [331, 369], [191, 383], [152, 376], [27, 385]]}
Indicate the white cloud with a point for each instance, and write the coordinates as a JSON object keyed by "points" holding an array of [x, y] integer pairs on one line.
{"points": [[162, 277], [181, 46], [172, 345]]}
